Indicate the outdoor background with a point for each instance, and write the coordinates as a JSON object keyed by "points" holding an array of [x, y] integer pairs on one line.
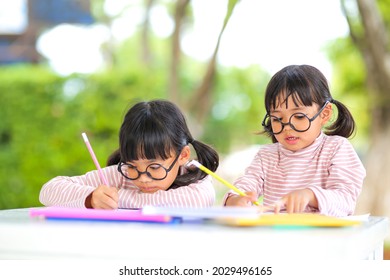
{"points": [[68, 67]]}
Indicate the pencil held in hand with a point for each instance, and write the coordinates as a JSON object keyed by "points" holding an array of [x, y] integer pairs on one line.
{"points": [[223, 181], [91, 152]]}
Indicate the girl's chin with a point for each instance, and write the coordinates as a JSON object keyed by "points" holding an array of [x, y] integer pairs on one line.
{"points": [[148, 190]]}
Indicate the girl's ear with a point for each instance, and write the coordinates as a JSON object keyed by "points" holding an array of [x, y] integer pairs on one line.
{"points": [[184, 155], [326, 114]]}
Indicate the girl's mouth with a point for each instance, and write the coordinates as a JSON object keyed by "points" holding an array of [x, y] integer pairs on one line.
{"points": [[291, 139]]}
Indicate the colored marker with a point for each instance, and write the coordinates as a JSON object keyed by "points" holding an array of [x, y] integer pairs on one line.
{"points": [[226, 183], [101, 175]]}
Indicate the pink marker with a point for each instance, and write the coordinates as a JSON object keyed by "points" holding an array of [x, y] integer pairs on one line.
{"points": [[104, 180]]}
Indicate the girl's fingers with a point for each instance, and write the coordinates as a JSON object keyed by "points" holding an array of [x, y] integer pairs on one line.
{"points": [[278, 206], [105, 197], [263, 209]]}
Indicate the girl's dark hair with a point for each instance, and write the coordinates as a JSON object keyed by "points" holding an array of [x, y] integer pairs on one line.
{"points": [[306, 85], [153, 130]]}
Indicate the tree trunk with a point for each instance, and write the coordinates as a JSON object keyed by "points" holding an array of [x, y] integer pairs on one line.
{"points": [[375, 197], [373, 45], [145, 34], [173, 90], [201, 101]]}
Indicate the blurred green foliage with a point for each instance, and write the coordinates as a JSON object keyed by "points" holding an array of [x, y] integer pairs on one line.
{"points": [[42, 117], [348, 86]]}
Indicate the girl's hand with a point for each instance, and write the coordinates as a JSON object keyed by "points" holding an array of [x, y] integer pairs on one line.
{"points": [[243, 201], [297, 201], [103, 197]]}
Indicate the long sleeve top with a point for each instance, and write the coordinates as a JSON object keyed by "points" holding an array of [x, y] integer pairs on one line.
{"points": [[72, 191], [330, 167]]}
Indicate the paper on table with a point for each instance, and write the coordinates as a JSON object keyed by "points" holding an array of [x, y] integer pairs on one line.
{"points": [[363, 217], [214, 212], [296, 219]]}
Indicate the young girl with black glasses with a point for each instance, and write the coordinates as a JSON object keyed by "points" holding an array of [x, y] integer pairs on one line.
{"points": [[311, 166], [147, 169]]}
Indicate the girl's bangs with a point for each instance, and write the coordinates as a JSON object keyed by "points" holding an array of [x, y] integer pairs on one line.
{"points": [[147, 143], [300, 94]]}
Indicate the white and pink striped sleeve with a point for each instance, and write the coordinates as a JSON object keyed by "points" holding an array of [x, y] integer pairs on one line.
{"points": [[67, 191], [344, 183]]}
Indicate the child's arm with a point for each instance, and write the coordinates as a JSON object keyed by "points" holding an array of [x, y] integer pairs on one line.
{"points": [[250, 183], [73, 191], [242, 201], [344, 183]]}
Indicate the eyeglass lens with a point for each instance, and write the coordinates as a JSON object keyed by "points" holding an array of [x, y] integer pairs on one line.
{"points": [[154, 171], [298, 121]]}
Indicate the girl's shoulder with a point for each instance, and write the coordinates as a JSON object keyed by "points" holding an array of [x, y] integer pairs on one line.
{"points": [[268, 150], [334, 144], [335, 140]]}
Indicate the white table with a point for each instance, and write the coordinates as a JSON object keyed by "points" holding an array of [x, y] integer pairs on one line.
{"points": [[22, 237]]}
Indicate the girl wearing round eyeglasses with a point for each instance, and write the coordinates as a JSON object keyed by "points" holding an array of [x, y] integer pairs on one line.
{"points": [[149, 168], [311, 167]]}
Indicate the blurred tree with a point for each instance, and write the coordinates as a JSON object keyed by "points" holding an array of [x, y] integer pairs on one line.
{"points": [[201, 100], [369, 23], [197, 99], [42, 115], [147, 55], [179, 18], [199, 103]]}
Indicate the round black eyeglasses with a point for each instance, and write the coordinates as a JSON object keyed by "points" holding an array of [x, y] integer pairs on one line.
{"points": [[154, 171], [298, 122]]}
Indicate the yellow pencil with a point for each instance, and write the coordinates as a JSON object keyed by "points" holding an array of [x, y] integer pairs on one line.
{"points": [[226, 183]]}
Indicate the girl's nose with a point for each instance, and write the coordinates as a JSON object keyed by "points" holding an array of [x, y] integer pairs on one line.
{"points": [[287, 126], [144, 178]]}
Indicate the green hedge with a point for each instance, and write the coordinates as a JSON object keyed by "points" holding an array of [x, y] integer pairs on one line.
{"points": [[42, 117]]}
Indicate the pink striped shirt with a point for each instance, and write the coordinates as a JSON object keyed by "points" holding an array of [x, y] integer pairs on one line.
{"points": [[72, 191], [329, 167]]}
